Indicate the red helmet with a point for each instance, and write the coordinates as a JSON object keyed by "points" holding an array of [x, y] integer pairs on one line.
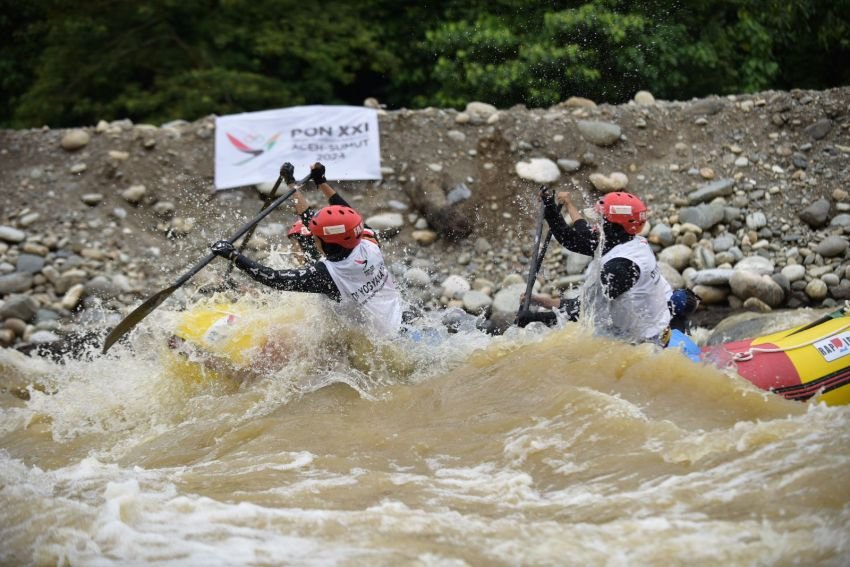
{"points": [[338, 225], [298, 229], [623, 209]]}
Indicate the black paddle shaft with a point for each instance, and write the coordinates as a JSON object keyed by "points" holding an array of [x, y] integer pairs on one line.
{"points": [[143, 310], [266, 202], [535, 260]]}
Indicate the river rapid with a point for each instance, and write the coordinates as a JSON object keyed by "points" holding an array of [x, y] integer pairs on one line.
{"points": [[538, 447]]}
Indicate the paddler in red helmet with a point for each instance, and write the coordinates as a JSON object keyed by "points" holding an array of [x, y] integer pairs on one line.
{"points": [[624, 288], [353, 271]]}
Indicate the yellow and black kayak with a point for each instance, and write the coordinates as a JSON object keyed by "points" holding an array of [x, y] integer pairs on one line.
{"points": [[216, 338], [807, 362]]}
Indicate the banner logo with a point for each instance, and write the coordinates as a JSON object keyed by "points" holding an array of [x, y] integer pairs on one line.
{"points": [[243, 146]]}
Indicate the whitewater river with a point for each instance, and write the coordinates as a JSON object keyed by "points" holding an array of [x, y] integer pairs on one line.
{"points": [[534, 448]]}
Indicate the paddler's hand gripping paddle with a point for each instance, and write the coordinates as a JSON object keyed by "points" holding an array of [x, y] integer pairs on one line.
{"points": [[143, 310]]}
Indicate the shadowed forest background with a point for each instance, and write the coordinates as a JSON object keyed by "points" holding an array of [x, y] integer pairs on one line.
{"points": [[68, 63]]}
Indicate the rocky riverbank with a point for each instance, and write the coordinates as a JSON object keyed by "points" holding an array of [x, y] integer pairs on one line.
{"points": [[748, 196]]}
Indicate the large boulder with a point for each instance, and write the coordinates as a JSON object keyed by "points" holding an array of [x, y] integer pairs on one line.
{"points": [[678, 256], [21, 307], [704, 216], [746, 284], [757, 264], [710, 191], [832, 246], [816, 215], [599, 133]]}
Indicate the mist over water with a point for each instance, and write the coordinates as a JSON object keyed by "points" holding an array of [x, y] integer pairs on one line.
{"points": [[531, 448]]}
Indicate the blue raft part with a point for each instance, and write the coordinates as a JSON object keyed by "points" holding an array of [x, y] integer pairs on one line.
{"points": [[683, 342], [427, 335]]}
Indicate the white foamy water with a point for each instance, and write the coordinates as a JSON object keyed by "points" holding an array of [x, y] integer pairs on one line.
{"points": [[534, 448]]}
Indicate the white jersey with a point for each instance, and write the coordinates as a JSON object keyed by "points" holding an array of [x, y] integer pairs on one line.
{"points": [[640, 313], [367, 288]]}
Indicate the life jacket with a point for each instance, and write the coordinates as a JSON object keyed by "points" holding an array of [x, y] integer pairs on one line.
{"points": [[368, 292], [641, 313]]}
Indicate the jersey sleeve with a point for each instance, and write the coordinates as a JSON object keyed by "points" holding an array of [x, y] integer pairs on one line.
{"points": [[311, 279], [618, 276], [578, 238]]}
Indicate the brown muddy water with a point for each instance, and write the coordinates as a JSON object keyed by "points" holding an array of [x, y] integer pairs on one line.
{"points": [[534, 448]]}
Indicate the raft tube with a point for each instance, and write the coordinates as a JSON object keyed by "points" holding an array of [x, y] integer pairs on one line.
{"points": [[801, 363]]}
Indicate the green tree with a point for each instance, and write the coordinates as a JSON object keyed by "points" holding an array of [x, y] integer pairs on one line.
{"points": [[67, 62], [106, 59]]}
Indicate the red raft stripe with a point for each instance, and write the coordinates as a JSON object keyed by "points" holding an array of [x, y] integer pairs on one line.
{"points": [[826, 383]]}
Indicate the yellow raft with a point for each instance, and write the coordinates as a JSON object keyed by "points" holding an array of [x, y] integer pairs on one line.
{"points": [[216, 338], [807, 362]]}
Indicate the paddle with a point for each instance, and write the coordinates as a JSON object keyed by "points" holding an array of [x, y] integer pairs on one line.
{"points": [[536, 258], [266, 202], [143, 310]]}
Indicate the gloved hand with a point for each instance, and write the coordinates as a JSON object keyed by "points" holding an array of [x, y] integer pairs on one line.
{"points": [[547, 196], [224, 249], [287, 171], [317, 174], [526, 317]]}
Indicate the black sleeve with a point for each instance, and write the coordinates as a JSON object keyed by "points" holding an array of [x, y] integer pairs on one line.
{"points": [[577, 238], [312, 279], [619, 276], [308, 215], [336, 199]]}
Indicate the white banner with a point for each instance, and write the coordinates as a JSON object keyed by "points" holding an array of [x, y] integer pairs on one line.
{"points": [[251, 147]]}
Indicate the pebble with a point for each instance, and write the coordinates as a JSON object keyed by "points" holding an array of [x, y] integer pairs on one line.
{"points": [[455, 286], [134, 194], [476, 302], [386, 222], [538, 170], [424, 237], [616, 181], [569, 165], [13, 235], [480, 112], [92, 199], [506, 299], [599, 133], [817, 289], [416, 277], [678, 256], [644, 98], [832, 246], [15, 283], [21, 307], [18, 326], [73, 296], [28, 219], [794, 272], [75, 139]]}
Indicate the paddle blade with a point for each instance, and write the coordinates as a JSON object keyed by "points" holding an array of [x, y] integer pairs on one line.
{"points": [[133, 319]]}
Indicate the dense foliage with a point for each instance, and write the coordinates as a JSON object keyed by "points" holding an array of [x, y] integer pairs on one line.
{"points": [[71, 62]]}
